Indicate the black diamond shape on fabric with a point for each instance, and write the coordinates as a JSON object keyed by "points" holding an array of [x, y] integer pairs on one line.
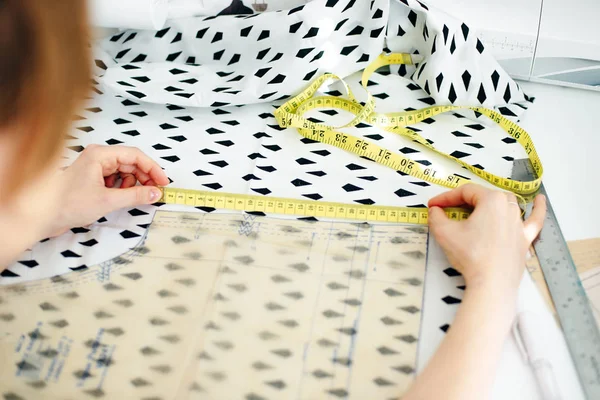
{"points": [[356, 31], [304, 52], [177, 71], [445, 31], [459, 154], [318, 56], [29, 263], [172, 159], [277, 57], [113, 142], [479, 46], [312, 32], [313, 196], [264, 34], [261, 72], [376, 32], [126, 234], [278, 79], [476, 145], [481, 96], [506, 111], [509, 140], [351, 188], [347, 50], [69, 254], [179, 138], [214, 186], [299, 182], [403, 193], [438, 81], [244, 32], [451, 94], [122, 53], [217, 55], [162, 32], [507, 93], [477, 127], [200, 172], [208, 152], [450, 300], [460, 134], [263, 191], [176, 39], [304, 161], [354, 167], [451, 272], [466, 78], [200, 33], [412, 17], [317, 173], [452, 46], [218, 36], [234, 59], [294, 27], [495, 78], [310, 75], [272, 147], [408, 150], [465, 30], [220, 164], [160, 146], [173, 56]]}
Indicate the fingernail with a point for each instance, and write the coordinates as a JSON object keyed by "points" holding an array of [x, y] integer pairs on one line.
{"points": [[155, 194]]}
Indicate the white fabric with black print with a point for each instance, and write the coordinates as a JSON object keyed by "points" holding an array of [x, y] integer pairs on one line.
{"points": [[198, 96]]}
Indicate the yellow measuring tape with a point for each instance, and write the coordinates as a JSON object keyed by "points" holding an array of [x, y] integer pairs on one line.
{"points": [[305, 208], [291, 114]]}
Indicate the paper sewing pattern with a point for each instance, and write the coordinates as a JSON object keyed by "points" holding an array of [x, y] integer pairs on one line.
{"points": [[224, 306]]}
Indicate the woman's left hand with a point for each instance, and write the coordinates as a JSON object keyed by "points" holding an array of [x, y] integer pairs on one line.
{"points": [[88, 185]]}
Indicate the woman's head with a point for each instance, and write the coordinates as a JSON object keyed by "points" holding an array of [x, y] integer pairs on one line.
{"points": [[44, 74]]}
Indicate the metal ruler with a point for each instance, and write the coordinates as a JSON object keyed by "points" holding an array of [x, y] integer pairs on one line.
{"points": [[569, 297]]}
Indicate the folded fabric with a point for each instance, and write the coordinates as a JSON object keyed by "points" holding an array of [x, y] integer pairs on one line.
{"points": [[235, 60], [192, 8]]}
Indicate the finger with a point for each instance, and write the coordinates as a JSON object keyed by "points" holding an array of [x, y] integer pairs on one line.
{"points": [[111, 157], [131, 197], [438, 222], [110, 180], [469, 194], [135, 171], [533, 225], [128, 180]]}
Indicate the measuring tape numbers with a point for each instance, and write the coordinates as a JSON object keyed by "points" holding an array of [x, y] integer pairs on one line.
{"points": [[291, 113], [305, 208]]}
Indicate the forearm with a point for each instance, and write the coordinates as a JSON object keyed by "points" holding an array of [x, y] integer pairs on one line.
{"points": [[464, 366]]}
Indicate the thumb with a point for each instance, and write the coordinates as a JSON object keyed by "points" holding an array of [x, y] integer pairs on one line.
{"points": [[438, 221], [133, 196]]}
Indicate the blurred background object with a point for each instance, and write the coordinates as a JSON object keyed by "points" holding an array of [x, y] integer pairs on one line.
{"points": [[549, 41]]}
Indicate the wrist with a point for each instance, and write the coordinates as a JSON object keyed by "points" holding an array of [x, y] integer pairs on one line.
{"points": [[498, 297]]}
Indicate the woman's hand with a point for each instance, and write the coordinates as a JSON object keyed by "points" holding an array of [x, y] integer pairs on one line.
{"points": [[489, 248], [88, 191]]}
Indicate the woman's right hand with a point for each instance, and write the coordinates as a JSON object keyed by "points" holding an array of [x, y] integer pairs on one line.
{"points": [[489, 248]]}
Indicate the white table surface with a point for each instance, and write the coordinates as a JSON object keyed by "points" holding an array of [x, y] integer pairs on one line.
{"points": [[564, 124]]}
